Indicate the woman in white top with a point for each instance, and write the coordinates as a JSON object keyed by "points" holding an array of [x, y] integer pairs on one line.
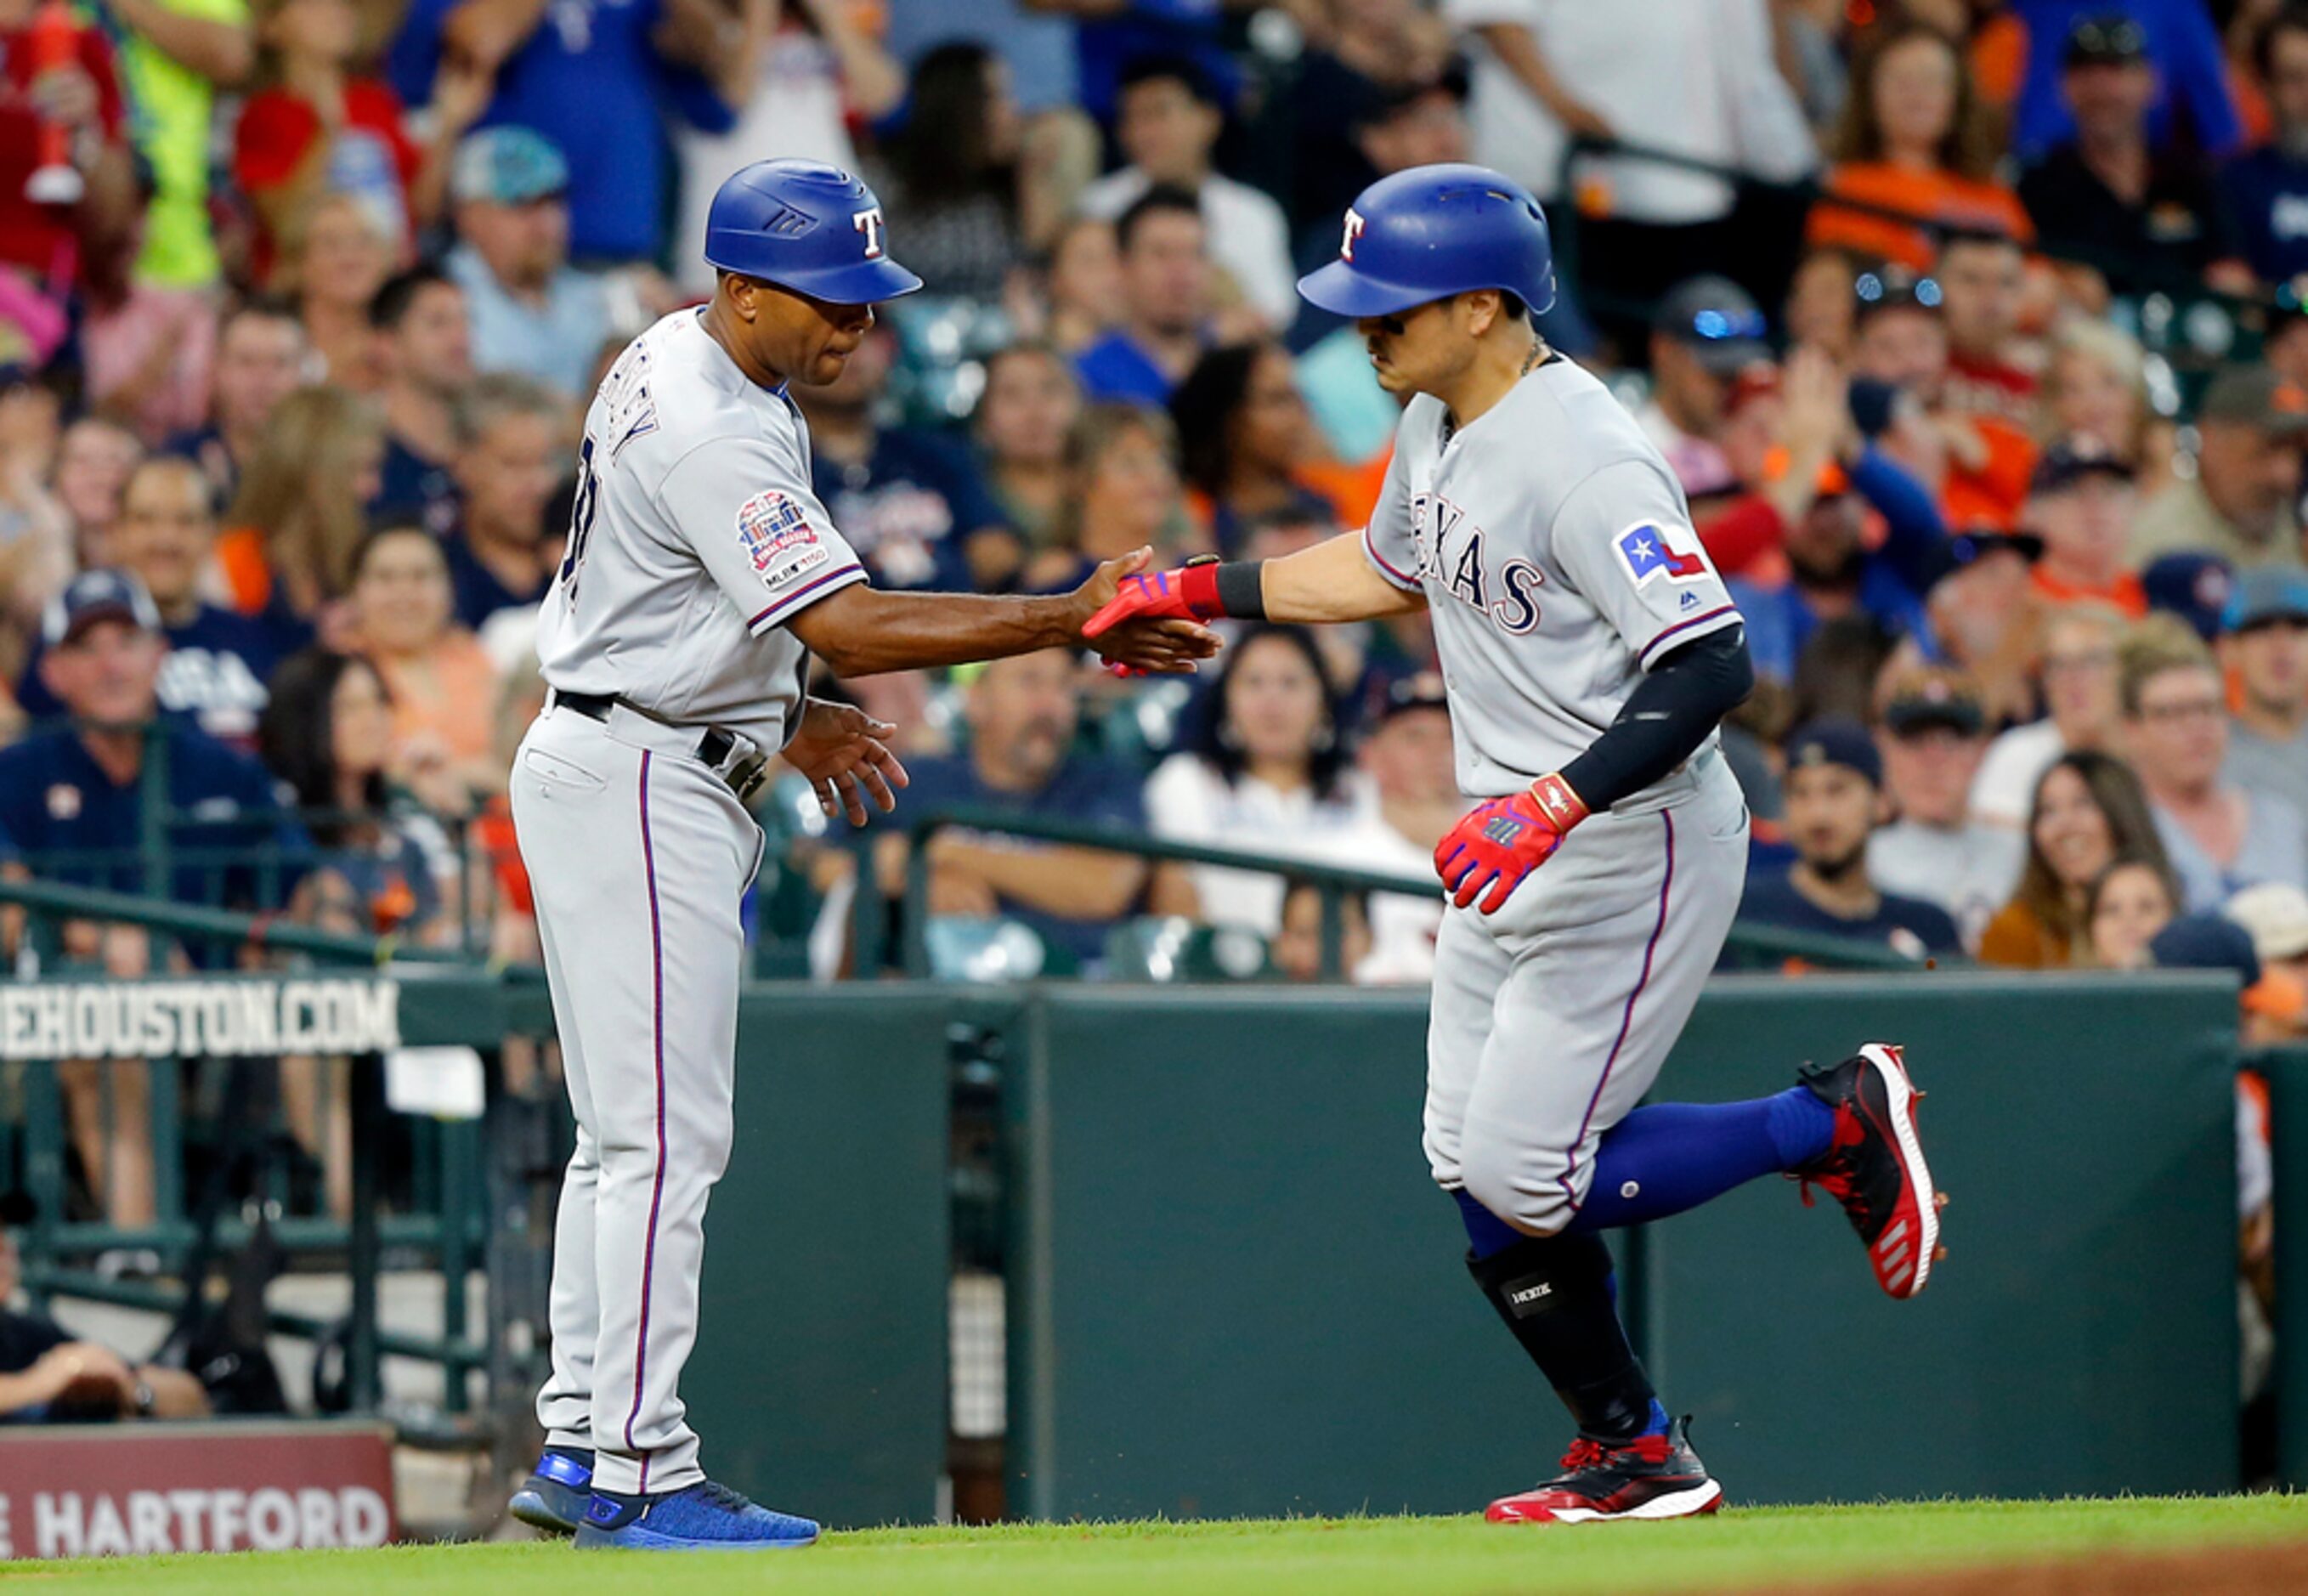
{"points": [[1269, 773]]}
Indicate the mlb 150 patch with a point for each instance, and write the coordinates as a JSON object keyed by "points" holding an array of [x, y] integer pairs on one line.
{"points": [[1650, 550], [779, 539]]}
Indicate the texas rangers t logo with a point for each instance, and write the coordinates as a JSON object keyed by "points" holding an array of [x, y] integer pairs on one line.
{"points": [[1648, 551], [1354, 232], [869, 222]]}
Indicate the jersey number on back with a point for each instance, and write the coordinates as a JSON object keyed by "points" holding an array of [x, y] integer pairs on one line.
{"points": [[580, 519]]}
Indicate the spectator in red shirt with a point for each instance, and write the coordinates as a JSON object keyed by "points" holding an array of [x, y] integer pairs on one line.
{"points": [[83, 98], [312, 127], [1983, 286]]}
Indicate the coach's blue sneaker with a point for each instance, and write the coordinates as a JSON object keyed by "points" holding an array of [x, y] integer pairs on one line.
{"points": [[555, 1496], [705, 1518]]}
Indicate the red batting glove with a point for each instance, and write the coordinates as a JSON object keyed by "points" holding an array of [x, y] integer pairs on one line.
{"points": [[1500, 842], [1189, 594]]}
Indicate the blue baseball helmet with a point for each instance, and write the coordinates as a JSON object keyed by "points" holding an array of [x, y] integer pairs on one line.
{"points": [[1431, 232], [808, 227]]}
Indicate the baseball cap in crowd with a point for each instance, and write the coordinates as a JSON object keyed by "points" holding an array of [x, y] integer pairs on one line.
{"points": [[507, 166], [1971, 546], [2109, 39], [1835, 739], [1935, 697], [1718, 321], [93, 596], [2255, 396], [2068, 461], [2215, 942], [2192, 585], [1422, 691], [2275, 916], [2257, 598]]}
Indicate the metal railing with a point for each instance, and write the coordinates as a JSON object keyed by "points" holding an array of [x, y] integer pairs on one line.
{"points": [[1750, 944], [57, 1253], [247, 858]]}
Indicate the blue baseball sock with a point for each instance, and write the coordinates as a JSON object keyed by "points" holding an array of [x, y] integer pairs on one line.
{"points": [[1668, 1157], [1486, 1232]]}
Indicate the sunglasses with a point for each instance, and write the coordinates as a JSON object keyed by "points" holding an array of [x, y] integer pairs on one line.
{"points": [[1723, 326], [2106, 39], [1872, 287]]}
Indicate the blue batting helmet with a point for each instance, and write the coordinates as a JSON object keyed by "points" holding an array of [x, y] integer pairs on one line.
{"points": [[1431, 232], [807, 227]]}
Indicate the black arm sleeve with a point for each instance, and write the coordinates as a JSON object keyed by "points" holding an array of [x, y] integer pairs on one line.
{"points": [[1679, 701]]}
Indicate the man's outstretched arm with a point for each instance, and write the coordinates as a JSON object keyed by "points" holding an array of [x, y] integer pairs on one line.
{"points": [[1333, 581], [860, 632]]}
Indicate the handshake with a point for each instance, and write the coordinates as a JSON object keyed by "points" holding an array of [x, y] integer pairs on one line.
{"points": [[1145, 623], [1151, 623]]}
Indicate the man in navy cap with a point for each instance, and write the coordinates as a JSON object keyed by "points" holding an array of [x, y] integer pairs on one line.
{"points": [[2082, 502], [2264, 646], [1835, 801], [73, 796], [1705, 332], [73, 807], [2149, 217]]}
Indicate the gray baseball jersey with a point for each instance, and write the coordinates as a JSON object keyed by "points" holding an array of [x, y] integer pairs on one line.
{"points": [[694, 538], [1557, 557], [1558, 561]]}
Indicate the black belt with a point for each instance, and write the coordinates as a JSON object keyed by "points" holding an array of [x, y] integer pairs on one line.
{"points": [[714, 745]]}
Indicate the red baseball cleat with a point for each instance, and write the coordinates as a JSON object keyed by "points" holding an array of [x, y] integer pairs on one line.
{"points": [[1650, 1476], [1875, 1166]]}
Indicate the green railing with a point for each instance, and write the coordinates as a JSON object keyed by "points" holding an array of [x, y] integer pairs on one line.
{"points": [[449, 1235], [1750, 944], [192, 854]]}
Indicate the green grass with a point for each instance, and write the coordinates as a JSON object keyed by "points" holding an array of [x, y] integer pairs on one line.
{"points": [[1435, 1557]]}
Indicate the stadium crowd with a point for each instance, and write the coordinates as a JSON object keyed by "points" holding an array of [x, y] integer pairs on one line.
{"points": [[1976, 333]]}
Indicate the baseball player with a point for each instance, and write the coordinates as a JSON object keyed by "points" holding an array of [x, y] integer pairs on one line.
{"points": [[700, 575], [1589, 652]]}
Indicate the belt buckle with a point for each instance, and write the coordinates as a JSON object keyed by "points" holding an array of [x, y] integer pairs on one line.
{"points": [[746, 777]]}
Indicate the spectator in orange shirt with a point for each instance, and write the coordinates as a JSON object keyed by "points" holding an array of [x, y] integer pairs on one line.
{"points": [[1978, 465], [443, 686], [299, 513], [2081, 501], [1913, 138]]}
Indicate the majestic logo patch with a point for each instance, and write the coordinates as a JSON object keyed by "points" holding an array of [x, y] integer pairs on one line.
{"points": [[1650, 550], [778, 538]]}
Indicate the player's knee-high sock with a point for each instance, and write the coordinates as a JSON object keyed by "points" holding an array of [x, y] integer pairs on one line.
{"points": [[1555, 1295], [1668, 1157]]}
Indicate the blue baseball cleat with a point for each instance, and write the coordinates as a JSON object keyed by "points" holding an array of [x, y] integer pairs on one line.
{"points": [[705, 1518], [555, 1496]]}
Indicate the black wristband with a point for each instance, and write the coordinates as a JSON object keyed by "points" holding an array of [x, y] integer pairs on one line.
{"points": [[1242, 589]]}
